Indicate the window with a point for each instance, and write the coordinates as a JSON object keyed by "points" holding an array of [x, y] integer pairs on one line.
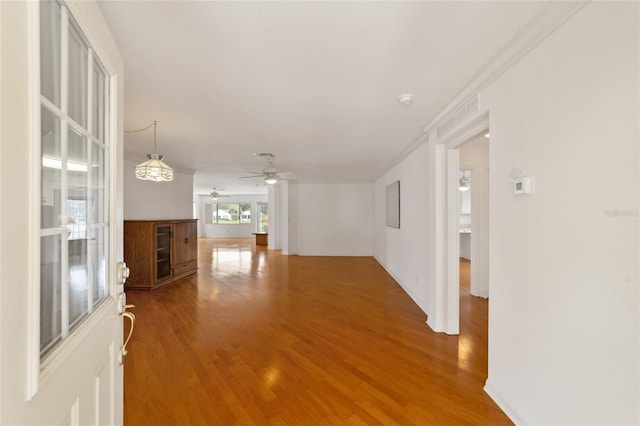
{"points": [[263, 217], [74, 177], [228, 213]]}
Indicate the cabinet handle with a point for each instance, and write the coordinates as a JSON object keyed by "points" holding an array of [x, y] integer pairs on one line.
{"points": [[186, 240]]}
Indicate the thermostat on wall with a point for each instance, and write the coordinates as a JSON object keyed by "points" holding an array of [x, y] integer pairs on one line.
{"points": [[523, 185]]}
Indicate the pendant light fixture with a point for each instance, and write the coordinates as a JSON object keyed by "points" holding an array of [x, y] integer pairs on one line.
{"points": [[465, 182], [153, 169]]}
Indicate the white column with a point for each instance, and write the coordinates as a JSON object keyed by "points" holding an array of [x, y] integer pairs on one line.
{"points": [[289, 218], [452, 261], [275, 217]]}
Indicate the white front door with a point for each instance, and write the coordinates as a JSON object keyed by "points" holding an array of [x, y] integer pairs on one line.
{"points": [[61, 332]]}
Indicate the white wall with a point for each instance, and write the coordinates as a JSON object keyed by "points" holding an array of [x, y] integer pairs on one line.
{"points": [[157, 200], [228, 231], [333, 219], [564, 321], [403, 252]]}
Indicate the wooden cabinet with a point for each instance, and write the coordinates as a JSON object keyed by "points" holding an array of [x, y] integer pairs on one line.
{"points": [[159, 252]]}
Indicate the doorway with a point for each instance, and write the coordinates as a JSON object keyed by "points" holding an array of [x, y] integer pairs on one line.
{"points": [[447, 223], [473, 260], [464, 216], [473, 215]]}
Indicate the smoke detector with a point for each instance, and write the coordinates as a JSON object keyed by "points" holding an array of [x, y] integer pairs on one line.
{"points": [[405, 99]]}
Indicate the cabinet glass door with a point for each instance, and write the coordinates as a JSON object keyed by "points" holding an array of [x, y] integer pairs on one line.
{"points": [[163, 252]]}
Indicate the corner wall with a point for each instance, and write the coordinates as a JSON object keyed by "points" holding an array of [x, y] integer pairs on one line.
{"points": [[332, 219]]}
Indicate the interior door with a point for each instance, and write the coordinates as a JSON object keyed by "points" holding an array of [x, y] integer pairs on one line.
{"points": [[61, 292]]}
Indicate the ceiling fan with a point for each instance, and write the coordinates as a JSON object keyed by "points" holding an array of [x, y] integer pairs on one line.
{"points": [[215, 194], [269, 173]]}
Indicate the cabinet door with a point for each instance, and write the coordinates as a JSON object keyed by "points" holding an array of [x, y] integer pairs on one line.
{"points": [[185, 244], [193, 241], [163, 252], [139, 249]]}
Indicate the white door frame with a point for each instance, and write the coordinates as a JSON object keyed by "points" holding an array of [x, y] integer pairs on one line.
{"points": [[447, 218]]}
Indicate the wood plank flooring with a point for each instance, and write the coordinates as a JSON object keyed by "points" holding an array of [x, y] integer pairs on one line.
{"points": [[258, 338]]}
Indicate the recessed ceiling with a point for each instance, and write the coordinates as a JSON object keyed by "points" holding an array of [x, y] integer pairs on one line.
{"points": [[315, 83]]}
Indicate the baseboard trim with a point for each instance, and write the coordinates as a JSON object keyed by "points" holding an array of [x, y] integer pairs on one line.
{"points": [[503, 404], [434, 326], [431, 323], [406, 290]]}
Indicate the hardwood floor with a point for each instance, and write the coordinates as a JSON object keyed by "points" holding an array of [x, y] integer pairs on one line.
{"points": [[260, 338]]}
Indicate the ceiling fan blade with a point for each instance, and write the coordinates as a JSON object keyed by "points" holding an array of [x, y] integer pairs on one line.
{"points": [[249, 177]]}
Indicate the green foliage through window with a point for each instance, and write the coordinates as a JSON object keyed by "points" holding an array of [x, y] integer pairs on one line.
{"points": [[231, 213]]}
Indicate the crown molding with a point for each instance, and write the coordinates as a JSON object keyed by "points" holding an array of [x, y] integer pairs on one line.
{"points": [[546, 21]]}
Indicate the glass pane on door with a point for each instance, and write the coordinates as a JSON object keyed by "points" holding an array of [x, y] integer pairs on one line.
{"points": [[74, 179], [51, 173], [50, 52], [98, 97], [78, 280], [99, 250], [98, 195], [50, 290], [78, 58], [98, 234]]}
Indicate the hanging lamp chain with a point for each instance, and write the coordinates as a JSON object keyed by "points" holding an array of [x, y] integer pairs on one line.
{"points": [[155, 128]]}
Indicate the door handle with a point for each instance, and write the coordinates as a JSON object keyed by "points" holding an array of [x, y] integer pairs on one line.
{"points": [[132, 318]]}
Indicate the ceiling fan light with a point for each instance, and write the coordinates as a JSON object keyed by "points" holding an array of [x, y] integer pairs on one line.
{"points": [[154, 169], [270, 180]]}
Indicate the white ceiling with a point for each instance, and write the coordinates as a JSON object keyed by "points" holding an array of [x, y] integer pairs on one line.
{"points": [[314, 83]]}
